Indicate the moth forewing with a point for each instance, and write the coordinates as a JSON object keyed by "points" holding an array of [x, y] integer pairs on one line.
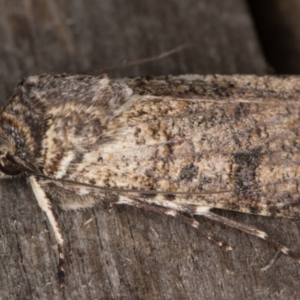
{"points": [[179, 146]]}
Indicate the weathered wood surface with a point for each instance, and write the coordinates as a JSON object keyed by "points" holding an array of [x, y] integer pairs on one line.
{"points": [[126, 253], [279, 32]]}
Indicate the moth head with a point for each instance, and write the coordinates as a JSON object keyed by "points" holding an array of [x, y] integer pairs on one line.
{"points": [[11, 163], [8, 164]]}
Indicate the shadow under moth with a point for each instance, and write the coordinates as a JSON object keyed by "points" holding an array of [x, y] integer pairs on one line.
{"points": [[180, 146]]}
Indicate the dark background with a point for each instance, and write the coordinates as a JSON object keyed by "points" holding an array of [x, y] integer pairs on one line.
{"points": [[127, 253]]}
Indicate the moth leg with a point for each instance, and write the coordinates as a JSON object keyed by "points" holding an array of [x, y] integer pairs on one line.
{"points": [[183, 216], [253, 231], [45, 204]]}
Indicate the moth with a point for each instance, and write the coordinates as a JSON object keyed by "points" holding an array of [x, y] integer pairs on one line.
{"points": [[177, 145]]}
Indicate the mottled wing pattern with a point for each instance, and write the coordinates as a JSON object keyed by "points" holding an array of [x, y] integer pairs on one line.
{"points": [[238, 134], [179, 146]]}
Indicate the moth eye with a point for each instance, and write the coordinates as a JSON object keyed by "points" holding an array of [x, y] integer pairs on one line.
{"points": [[9, 166]]}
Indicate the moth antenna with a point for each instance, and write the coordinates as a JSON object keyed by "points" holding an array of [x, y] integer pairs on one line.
{"points": [[252, 231], [228, 101], [184, 217], [119, 190], [144, 60], [271, 262]]}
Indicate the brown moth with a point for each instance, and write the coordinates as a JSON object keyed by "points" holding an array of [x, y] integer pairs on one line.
{"points": [[179, 146]]}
